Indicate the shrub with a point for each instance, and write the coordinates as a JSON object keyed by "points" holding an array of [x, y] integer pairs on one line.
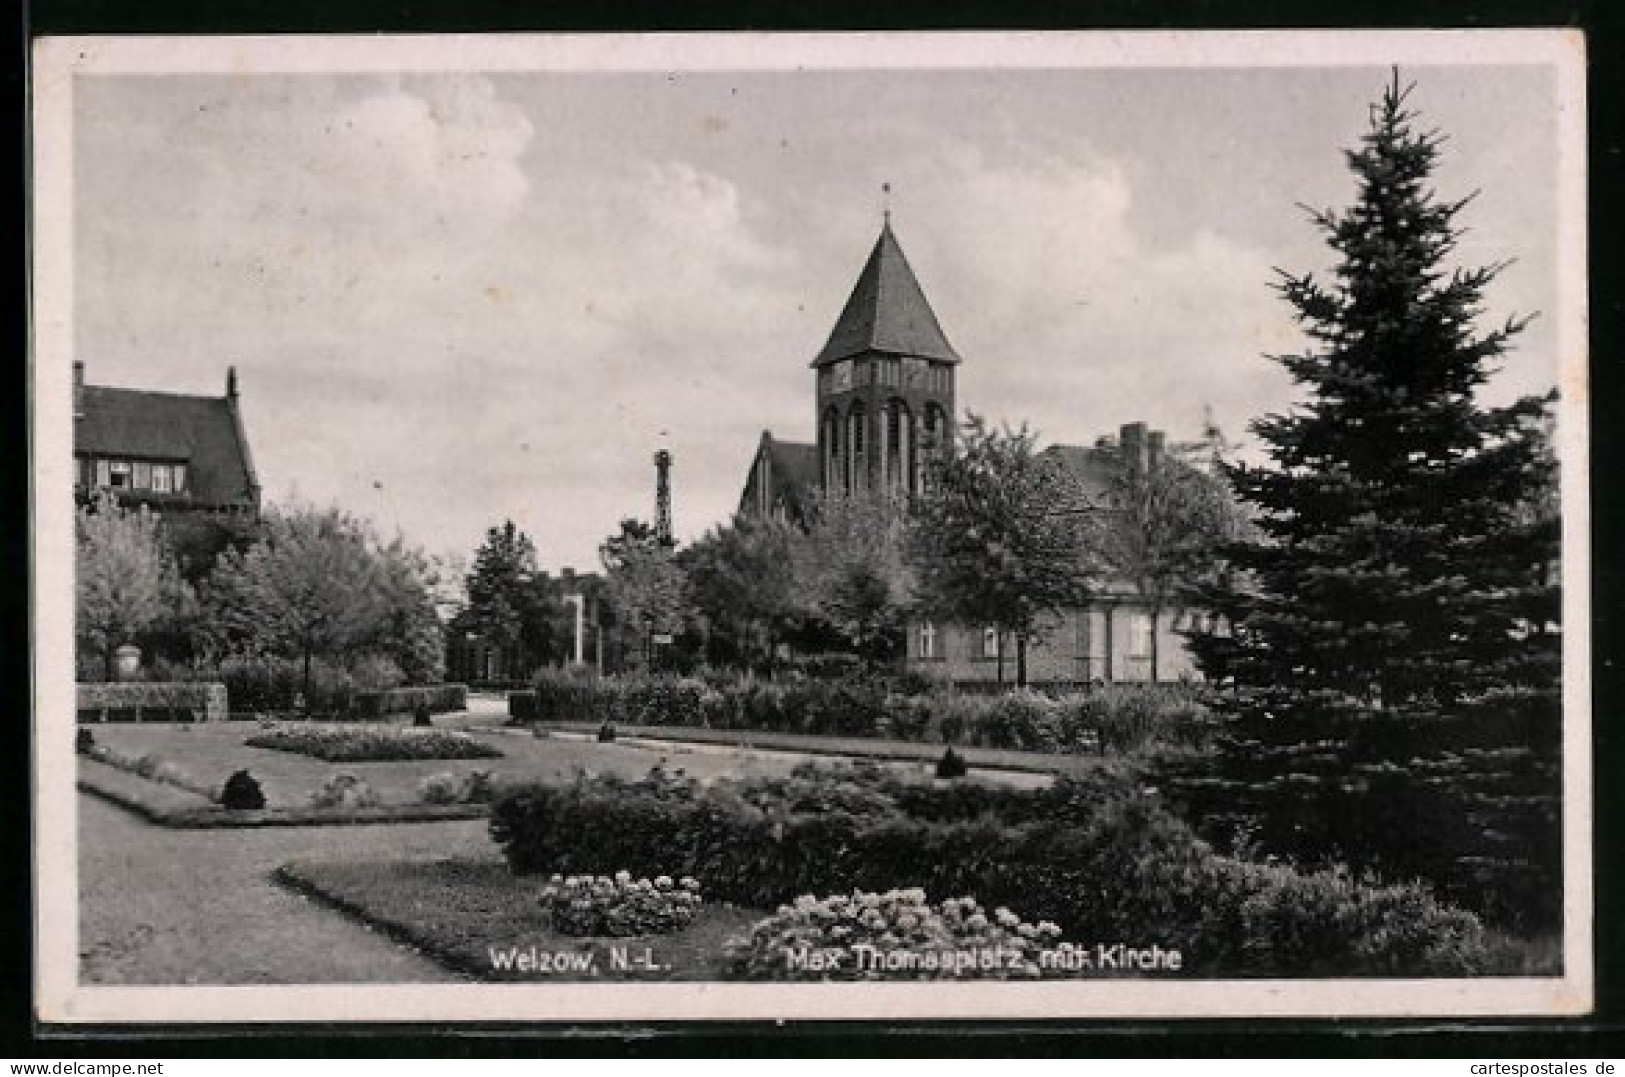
{"points": [[606, 733], [475, 787], [242, 793], [344, 791], [951, 765], [430, 699], [1470, 801], [895, 934], [1023, 720], [1100, 857], [372, 745], [375, 673], [619, 905], [521, 707], [439, 789], [570, 697], [267, 685], [420, 717], [84, 741]]}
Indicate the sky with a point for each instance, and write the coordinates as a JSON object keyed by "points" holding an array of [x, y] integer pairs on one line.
{"points": [[453, 299]]}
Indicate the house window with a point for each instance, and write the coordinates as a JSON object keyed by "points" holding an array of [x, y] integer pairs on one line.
{"points": [[104, 475], [161, 478], [1139, 635], [118, 473], [990, 643], [928, 640], [141, 475]]}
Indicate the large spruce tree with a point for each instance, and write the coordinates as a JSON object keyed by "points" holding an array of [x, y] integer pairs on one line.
{"points": [[1400, 565], [1394, 650]]}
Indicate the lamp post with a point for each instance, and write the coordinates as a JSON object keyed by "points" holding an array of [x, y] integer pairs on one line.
{"points": [[579, 601]]}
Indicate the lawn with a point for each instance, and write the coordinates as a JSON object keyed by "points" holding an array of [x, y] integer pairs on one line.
{"points": [[212, 751], [477, 918]]}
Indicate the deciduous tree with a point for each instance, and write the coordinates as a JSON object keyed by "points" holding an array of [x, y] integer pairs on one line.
{"points": [[126, 578], [996, 540]]}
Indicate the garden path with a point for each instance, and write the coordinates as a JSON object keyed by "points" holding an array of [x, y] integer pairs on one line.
{"points": [[190, 906]]}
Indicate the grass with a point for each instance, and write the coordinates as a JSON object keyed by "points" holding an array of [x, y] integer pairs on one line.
{"points": [[210, 752], [471, 915], [164, 906]]}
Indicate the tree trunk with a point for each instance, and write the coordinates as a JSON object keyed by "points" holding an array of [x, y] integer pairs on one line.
{"points": [[1156, 650], [1021, 660], [998, 649], [304, 690]]}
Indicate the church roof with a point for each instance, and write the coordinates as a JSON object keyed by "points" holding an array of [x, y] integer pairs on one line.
{"points": [[202, 432], [792, 472], [887, 312]]}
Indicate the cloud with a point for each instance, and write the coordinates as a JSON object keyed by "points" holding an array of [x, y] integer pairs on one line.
{"points": [[1069, 316]]}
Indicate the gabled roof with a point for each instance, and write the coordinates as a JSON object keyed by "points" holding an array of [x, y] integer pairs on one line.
{"points": [[887, 312], [203, 432], [1094, 469], [793, 471]]}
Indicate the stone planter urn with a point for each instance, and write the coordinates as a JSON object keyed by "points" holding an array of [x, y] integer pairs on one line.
{"points": [[127, 662]]}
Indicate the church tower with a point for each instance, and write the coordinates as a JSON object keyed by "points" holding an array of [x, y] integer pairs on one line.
{"points": [[885, 381]]}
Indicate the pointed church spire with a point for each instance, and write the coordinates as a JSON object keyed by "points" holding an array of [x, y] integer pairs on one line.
{"points": [[887, 311]]}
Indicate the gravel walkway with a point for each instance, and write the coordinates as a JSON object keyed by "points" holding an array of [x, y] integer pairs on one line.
{"points": [[178, 907]]}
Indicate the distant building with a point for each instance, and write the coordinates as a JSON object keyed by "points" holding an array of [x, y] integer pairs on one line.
{"points": [[885, 401], [167, 451]]}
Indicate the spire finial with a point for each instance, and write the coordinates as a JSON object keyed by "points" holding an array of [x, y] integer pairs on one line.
{"points": [[885, 204]]}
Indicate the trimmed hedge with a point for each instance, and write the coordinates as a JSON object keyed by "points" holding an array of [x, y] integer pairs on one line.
{"points": [[152, 701], [1099, 856], [1120, 719], [438, 698], [522, 707]]}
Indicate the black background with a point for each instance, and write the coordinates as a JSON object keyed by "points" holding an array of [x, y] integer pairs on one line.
{"points": [[1588, 1039]]}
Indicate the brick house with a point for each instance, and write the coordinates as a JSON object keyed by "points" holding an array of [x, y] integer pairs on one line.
{"points": [[884, 401], [169, 452]]}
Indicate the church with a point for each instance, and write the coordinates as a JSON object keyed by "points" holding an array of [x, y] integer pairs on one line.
{"points": [[884, 401]]}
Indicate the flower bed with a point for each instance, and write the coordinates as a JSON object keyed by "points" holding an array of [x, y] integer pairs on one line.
{"points": [[899, 935], [372, 745], [1097, 855]]}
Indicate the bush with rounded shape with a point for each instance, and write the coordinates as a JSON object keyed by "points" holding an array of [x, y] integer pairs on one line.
{"points": [[439, 789], [344, 791], [619, 905], [242, 793], [898, 934]]}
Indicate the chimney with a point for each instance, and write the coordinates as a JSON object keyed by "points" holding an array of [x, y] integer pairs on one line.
{"points": [[1155, 443], [231, 383], [78, 389], [1131, 439]]}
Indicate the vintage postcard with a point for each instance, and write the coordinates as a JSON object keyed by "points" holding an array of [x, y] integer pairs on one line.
{"points": [[838, 526]]}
